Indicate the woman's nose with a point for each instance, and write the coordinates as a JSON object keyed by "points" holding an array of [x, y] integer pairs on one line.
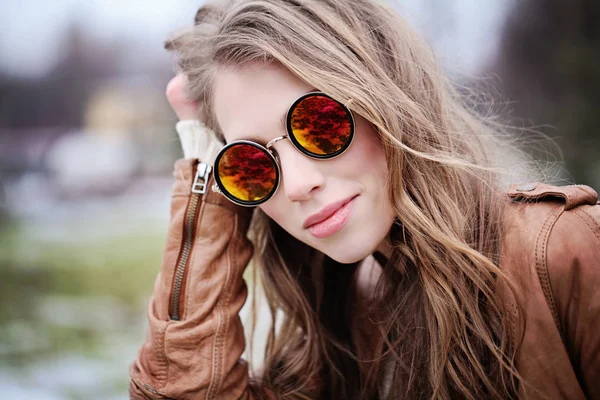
{"points": [[301, 176]]}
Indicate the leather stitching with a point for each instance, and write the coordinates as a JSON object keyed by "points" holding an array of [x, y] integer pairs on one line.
{"points": [[226, 298], [161, 357], [222, 327], [214, 367], [215, 370], [588, 218], [541, 262]]}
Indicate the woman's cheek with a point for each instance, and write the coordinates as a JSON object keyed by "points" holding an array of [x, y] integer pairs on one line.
{"points": [[274, 212]]}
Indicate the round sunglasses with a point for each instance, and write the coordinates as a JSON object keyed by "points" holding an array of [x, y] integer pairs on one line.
{"points": [[320, 127]]}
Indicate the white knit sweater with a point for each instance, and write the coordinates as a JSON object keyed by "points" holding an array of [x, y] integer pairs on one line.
{"points": [[198, 141]]}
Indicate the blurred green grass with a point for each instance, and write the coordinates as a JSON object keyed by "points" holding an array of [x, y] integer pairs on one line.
{"points": [[85, 298], [73, 302], [121, 268]]}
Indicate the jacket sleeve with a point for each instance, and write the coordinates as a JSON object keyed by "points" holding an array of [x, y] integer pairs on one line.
{"points": [[195, 337], [573, 261]]}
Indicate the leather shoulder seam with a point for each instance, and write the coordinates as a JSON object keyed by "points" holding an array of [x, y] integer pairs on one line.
{"points": [[541, 262]]}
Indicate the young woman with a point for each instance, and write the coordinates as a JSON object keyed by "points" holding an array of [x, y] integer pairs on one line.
{"points": [[394, 263]]}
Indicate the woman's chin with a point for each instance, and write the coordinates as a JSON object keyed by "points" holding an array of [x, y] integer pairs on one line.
{"points": [[348, 257]]}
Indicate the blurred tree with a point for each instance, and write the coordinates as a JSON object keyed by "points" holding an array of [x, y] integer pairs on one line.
{"points": [[549, 62], [59, 98]]}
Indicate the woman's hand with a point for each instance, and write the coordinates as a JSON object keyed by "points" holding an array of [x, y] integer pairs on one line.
{"points": [[178, 96], [197, 140]]}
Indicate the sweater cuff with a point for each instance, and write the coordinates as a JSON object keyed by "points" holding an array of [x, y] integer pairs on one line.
{"points": [[198, 141]]}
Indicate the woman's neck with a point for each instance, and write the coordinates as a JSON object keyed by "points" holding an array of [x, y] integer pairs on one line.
{"points": [[386, 248]]}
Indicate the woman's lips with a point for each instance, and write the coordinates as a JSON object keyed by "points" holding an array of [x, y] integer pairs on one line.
{"points": [[333, 223]]}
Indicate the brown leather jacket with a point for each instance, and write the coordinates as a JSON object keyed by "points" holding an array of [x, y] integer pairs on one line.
{"points": [[550, 250]]}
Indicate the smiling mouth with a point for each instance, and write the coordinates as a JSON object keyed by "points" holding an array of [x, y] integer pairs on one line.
{"points": [[334, 222], [326, 212]]}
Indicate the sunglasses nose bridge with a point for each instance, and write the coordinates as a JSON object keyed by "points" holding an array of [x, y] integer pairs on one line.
{"points": [[269, 146], [272, 142]]}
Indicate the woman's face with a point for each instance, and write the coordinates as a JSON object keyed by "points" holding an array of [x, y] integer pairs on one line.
{"points": [[250, 102]]}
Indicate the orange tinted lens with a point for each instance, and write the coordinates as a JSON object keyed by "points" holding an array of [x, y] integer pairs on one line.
{"points": [[247, 172], [321, 125]]}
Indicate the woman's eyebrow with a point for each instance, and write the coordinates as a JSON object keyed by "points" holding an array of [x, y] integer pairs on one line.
{"points": [[282, 121], [260, 141]]}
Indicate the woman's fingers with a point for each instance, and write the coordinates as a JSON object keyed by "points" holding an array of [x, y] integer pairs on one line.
{"points": [[179, 99]]}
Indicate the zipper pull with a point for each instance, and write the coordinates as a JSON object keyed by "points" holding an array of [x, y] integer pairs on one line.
{"points": [[201, 180]]}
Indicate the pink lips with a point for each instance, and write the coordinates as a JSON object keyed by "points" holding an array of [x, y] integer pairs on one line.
{"points": [[330, 219]]}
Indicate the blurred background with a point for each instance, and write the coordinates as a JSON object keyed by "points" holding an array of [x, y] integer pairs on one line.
{"points": [[87, 146]]}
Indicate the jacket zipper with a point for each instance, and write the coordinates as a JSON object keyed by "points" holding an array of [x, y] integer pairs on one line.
{"points": [[202, 172]]}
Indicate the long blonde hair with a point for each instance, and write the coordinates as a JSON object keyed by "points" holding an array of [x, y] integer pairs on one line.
{"points": [[435, 327]]}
